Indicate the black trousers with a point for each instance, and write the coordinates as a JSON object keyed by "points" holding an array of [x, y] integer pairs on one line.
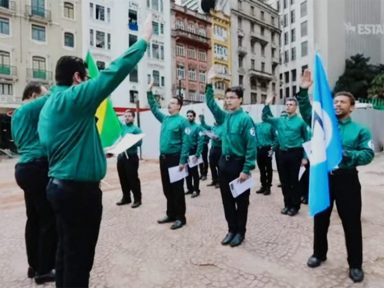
{"points": [[128, 170], [264, 162], [289, 164], [345, 190], [78, 209], [304, 183], [235, 209], [214, 157], [204, 166], [193, 179], [173, 192], [277, 154], [40, 228]]}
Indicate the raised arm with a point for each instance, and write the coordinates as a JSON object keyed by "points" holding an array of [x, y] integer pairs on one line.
{"points": [[217, 112], [153, 105], [203, 123], [305, 106]]}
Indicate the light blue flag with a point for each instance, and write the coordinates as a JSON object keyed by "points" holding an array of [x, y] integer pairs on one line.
{"points": [[326, 142]]}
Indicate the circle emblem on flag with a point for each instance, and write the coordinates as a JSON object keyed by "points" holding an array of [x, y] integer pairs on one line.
{"points": [[252, 131]]}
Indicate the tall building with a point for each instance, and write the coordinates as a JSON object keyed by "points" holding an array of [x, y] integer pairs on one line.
{"points": [[34, 35], [191, 53], [337, 29], [255, 55]]}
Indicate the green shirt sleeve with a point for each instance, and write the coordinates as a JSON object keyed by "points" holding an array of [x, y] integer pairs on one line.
{"points": [[204, 124], [88, 95], [200, 142], [305, 106], [186, 146], [217, 112], [249, 134], [153, 106], [267, 116], [364, 153]]}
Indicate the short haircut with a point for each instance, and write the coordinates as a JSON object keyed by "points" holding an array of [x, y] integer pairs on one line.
{"points": [[192, 112], [179, 100], [32, 87], [239, 91], [291, 99], [66, 67], [347, 94], [131, 112]]}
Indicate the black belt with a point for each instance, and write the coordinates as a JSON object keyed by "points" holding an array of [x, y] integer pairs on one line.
{"points": [[291, 149], [168, 156], [63, 183], [233, 158], [343, 171], [264, 147]]}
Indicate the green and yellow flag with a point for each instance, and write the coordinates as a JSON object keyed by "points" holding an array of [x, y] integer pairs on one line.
{"points": [[108, 124]]}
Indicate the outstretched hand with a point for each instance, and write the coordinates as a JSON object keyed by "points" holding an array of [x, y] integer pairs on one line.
{"points": [[211, 74], [148, 30], [270, 99], [306, 79], [150, 86]]}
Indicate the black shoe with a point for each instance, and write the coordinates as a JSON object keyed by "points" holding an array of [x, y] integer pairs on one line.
{"points": [[136, 204], [195, 194], [217, 186], [267, 191], [314, 261], [31, 272], [284, 211], [178, 224], [123, 202], [237, 240], [188, 192], [356, 274], [292, 211], [261, 190], [166, 219], [228, 238], [41, 279], [212, 184], [203, 178], [304, 200]]}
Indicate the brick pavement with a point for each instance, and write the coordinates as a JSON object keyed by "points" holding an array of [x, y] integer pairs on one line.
{"points": [[134, 251]]}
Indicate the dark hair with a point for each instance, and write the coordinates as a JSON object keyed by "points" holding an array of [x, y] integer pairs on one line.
{"points": [[66, 67], [291, 99], [131, 112], [179, 100], [237, 90], [32, 87], [347, 94], [192, 112]]}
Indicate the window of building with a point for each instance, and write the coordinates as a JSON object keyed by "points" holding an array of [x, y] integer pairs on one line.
{"points": [[6, 89], [91, 37], [262, 30], [304, 28], [241, 61], [292, 2], [273, 20], [109, 41], [273, 52], [293, 75], [253, 98], [100, 39], [180, 71], [155, 51], [253, 64], [286, 38], [202, 76], [69, 11], [240, 41], [38, 7], [285, 20], [281, 93], [286, 77], [132, 39], [293, 16], [252, 27], [39, 67], [192, 74], [100, 12], [4, 3], [303, 9], [5, 63], [100, 65], [262, 66], [241, 80], [69, 39], [91, 10], [293, 53], [304, 48], [4, 26], [108, 15], [253, 47], [285, 4], [132, 96], [293, 35], [155, 28], [132, 20], [253, 83], [161, 28], [239, 20], [202, 56], [191, 53], [263, 98], [262, 15], [156, 5], [179, 24], [287, 95], [252, 10], [38, 33], [180, 50], [294, 90], [263, 51], [156, 77]]}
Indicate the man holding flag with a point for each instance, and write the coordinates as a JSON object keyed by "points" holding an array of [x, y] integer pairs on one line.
{"points": [[338, 146]]}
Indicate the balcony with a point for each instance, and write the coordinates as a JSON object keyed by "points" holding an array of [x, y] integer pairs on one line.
{"points": [[260, 74], [257, 37], [191, 37], [7, 7], [38, 14], [8, 72], [39, 75]]}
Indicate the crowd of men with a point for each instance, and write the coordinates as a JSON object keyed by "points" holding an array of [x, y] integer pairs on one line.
{"points": [[62, 163]]}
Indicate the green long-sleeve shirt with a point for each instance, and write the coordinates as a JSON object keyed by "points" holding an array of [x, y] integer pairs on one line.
{"points": [[67, 124], [356, 139], [196, 136], [239, 136], [24, 130], [265, 134], [174, 135], [131, 128], [291, 130], [217, 130]]}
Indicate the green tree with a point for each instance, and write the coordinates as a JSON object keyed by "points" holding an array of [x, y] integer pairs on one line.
{"points": [[377, 87]]}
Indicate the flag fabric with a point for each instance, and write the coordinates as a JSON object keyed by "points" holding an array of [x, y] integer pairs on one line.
{"points": [[326, 142], [108, 124]]}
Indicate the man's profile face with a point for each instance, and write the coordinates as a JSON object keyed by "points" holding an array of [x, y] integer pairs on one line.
{"points": [[173, 106], [128, 117], [343, 106]]}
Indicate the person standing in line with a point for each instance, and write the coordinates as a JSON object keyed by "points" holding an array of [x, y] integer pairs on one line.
{"points": [[292, 133], [215, 150], [174, 150], [344, 184], [77, 163], [265, 136], [31, 173], [197, 142], [204, 166], [237, 159], [128, 164]]}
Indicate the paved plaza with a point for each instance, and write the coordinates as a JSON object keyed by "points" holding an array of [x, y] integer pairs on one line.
{"points": [[134, 251]]}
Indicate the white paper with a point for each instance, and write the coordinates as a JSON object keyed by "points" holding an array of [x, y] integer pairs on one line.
{"points": [[301, 171], [192, 163], [124, 143], [308, 149], [176, 175], [237, 187]]}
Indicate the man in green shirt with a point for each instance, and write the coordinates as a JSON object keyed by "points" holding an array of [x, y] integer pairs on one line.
{"points": [[265, 135], [237, 159], [68, 132], [31, 173], [292, 133], [344, 182], [174, 151], [128, 164], [197, 141]]}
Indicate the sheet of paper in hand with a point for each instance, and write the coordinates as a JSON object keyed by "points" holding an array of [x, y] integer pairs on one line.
{"points": [[176, 175], [238, 188], [124, 143], [192, 163]]}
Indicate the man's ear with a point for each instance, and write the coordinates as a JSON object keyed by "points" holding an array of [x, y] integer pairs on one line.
{"points": [[76, 79]]}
